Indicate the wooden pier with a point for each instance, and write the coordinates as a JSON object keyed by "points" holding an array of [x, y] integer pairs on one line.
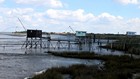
{"points": [[49, 43], [35, 39]]}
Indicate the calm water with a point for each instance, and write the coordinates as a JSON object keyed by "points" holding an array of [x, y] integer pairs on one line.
{"points": [[20, 66], [18, 49], [15, 64]]}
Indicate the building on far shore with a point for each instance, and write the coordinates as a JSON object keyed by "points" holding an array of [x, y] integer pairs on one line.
{"points": [[130, 33], [80, 33]]}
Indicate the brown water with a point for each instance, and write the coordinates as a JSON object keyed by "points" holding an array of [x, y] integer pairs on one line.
{"points": [[15, 64]]}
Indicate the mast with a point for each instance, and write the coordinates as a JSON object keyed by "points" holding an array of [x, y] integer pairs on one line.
{"points": [[22, 24], [71, 28]]}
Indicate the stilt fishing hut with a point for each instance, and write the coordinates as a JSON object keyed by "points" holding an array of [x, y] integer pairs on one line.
{"points": [[34, 39], [80, 39]]}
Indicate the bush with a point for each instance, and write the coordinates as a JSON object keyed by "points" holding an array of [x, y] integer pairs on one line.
{"points": [[49, 74], [115, 67]]}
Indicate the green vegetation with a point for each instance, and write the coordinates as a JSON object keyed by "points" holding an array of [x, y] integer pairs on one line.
{"points": [[86, 55], [109, 36], [129, 44], [82, 72], [20, 32], [115, 67], [138, 78], [82, 55]]}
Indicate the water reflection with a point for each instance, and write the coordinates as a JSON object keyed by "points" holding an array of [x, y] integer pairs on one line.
{"points": [[17, 46], [17, 62], [19, 66]]}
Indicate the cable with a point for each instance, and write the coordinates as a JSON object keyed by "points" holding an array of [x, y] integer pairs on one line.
{"points": [[22, 24]]}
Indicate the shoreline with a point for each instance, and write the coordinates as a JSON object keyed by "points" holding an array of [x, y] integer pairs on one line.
{"points": [[114, 60]]}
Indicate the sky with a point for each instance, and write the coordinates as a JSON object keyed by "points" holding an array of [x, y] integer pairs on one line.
{"points": [[93, 16]]}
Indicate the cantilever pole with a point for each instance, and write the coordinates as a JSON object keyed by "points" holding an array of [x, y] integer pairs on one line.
{"points": [[22, 24]]}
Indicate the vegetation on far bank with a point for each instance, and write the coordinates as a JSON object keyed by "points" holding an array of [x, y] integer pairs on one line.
{"points": [[115, 67], [128, 44], [91, 55]]}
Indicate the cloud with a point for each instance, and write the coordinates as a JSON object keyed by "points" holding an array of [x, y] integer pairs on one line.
{"points": [[69, 15], [9, 18], [125, 2], [47, 3], [80, 20], [133, 24], [108, 17], [54, 20], [1, 1]]}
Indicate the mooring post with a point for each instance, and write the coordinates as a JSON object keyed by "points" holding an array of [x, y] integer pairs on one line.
{"points": [[89, 42], [26, 42], [31, 42], [92, 41], [124, 46], [85, 42], [94, 37], [107, 40], [48, 45], [98, 41], [35, 43], [89, 46], [111, 45], [48, 41], [40, 42], [58, 44], [69, 45], [80, 45]]}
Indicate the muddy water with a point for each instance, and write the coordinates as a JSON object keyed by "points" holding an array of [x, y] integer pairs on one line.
{"points": [[13, 66], [18, 63]]}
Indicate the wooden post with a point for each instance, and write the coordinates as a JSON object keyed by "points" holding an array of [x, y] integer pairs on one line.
{"points": [[26, 42], [94, 37], [31, 42], [124, 46], [69, 45], [80, 45], [48, 44], [92, 41], [100, 43], [89, 46], [108, 40], [85, 42], [98, 40], [40, 42], [48, 41], [58, 44], [35, 43], [111, 45]]}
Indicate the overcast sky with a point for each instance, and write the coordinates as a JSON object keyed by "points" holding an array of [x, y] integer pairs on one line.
{"points": [[96, 16]]}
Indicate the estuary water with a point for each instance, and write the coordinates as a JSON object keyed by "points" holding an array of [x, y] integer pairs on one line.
{"points": [[14, 66], [18, 63]]}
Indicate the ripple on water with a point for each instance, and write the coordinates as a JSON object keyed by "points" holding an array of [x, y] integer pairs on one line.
{"points": [[21, 66]]}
